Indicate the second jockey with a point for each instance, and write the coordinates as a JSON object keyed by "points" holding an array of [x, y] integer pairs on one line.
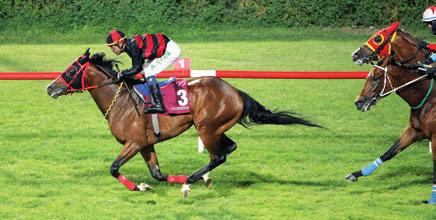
{"points": [[150, 54]]}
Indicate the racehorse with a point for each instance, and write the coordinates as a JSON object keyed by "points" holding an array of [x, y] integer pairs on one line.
{"points": [[398, 55], [215, 107]]}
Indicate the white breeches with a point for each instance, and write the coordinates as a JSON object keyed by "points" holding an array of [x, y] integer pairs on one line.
{"points": [[157, 65]]}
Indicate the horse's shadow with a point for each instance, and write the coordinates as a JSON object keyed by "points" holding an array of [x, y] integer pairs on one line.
{"points": [[251, 178], [417, 175], [247, 180]]}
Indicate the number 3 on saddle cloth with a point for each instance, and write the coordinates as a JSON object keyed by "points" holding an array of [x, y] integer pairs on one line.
{"points": [[174, 92]]}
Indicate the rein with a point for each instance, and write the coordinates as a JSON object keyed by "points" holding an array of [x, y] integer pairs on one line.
{"points": [[117, 94], [387, 78]]}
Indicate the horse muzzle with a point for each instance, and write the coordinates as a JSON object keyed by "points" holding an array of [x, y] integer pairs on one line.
{"points": [[356, 59], [360, 57], [55, 91], [364, 103]]}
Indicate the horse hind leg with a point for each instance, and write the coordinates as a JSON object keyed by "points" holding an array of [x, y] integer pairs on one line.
{"points": [[227, 145], [213, 145], [215, 160], [218, 149]]}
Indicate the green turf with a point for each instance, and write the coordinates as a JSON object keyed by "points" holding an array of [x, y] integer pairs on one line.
{"points": [[56, 154]]}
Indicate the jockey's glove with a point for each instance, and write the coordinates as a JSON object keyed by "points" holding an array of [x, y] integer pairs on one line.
{"points": [[431, 59], [121, 75]]}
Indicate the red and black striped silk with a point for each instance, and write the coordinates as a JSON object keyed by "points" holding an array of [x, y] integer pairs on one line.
{"points": [[152, 45]]}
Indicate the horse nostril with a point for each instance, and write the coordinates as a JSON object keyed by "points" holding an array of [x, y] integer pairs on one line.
{"points": [[359, 102], [50, 89], [355, 57]]}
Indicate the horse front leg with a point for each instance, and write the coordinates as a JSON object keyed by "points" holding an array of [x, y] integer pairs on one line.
{"points": [[408, 137], [129, 150], [150, 158]]}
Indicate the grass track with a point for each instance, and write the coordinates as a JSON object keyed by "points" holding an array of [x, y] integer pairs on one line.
{"points": [[56, 154]]}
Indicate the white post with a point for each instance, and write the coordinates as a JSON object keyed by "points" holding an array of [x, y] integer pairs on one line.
{"points": [[429, 146], [200, 145]]}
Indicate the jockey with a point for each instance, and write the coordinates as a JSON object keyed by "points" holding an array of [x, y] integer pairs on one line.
{"points": [[150, 54], [429, 17]]}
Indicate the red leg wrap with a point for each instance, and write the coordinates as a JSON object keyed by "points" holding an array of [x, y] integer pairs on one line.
{"points": [[177, 179], [130, 185]]}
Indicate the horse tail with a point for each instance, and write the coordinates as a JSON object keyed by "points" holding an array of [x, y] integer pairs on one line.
{"points": [[255, 113]]}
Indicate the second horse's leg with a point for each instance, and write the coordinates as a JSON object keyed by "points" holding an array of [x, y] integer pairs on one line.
{"points": [[407, 138], [432, 201]]}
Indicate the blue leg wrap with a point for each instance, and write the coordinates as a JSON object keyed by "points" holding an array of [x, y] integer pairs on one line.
{"points": [[368, 170], [433, 195]]}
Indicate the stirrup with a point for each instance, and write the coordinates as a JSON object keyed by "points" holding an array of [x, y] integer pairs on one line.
{"points": [[154, 109]]}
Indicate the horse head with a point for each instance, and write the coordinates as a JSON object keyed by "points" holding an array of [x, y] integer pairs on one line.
{"points": [[84, 73], [384, 43], [373, 88], [385, 79]]}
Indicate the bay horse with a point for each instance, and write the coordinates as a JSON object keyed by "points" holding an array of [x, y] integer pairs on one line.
{"points": [[215, 106], [398, 55]]}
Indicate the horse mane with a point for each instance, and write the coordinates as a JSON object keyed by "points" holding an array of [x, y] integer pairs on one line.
{"points": [[411, 39], [106, 65], [415, 41]]}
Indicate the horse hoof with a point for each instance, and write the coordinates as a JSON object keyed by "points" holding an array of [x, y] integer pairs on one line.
{"points": [[208, 183], [351, 178], [143, 187], [207, 180], [185, 190], [429, 202]]}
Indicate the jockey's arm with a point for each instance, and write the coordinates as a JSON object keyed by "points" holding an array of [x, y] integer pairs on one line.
{"points": [[137, 61], [432, 48]]}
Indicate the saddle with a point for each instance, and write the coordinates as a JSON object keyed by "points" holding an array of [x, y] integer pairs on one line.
{"points": [[174, 92]]}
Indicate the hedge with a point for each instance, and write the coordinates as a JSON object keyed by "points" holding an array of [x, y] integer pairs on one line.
{"points": [[67, 14]]}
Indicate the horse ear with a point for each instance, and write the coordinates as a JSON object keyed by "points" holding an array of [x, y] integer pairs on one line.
{"points": [[87, 52], [85, 57], [393, 27]]}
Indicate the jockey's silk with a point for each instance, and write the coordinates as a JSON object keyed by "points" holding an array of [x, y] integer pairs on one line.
{"points": [[432, 47], [152, 45], [156, 49]]}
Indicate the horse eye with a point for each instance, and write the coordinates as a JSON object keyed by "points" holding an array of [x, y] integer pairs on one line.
{"points": [[70, 72], [378, 39]]}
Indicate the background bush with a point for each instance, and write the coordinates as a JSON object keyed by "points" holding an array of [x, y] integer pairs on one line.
{"points": [[62, 15]]}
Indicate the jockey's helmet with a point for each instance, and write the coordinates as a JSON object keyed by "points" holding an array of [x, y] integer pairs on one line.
{"points": [[115, 37], [429, 14]]}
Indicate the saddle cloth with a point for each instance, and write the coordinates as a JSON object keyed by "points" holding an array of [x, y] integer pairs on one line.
{"points": [[174, 92]]}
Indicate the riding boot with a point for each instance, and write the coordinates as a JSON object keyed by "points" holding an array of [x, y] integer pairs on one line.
{"points": [[156, 100]]}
